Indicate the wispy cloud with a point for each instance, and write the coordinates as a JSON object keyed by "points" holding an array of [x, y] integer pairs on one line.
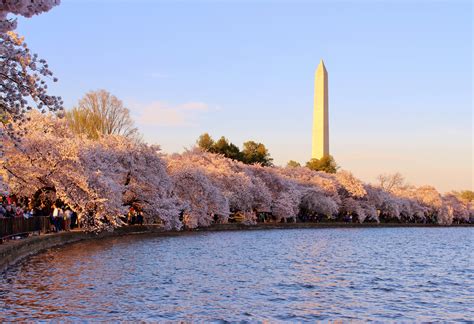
{"points": [[162, 114]]}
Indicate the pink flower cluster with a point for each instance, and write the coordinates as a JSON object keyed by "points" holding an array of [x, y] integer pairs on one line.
{"points": [[25, 8], [100, 179]]}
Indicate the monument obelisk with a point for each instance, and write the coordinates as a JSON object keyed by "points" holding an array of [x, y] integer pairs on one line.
{"points": [[320, 114]]}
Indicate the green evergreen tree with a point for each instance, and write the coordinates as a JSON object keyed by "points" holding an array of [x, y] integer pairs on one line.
{"points": [[326, 164], [293, 164], [254, 152], [205, 142]]}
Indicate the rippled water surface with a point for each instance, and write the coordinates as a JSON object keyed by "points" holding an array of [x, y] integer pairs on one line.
{"points": [[423, 274]]}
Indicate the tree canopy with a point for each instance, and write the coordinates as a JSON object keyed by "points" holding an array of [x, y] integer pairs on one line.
{"points": [[100, 179], [226, 148], [252, 152], [25, 8], [467, 195], [391, 182], [293, 164], [326, 164], [23, 80], [101, 113], [205, 142]]}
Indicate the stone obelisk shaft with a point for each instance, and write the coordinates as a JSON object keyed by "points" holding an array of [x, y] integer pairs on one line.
{"points": [[320, 115]]}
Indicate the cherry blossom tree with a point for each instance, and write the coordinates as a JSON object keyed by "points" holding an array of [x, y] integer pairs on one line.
{"points": [[315, 203], [308, 178], [100, 179], [453, 210], [350, 185], [20, 86], [285, 193], [200, 199], [368, 211], [22, 74], [226, 174], [390, 207], [25, 8], [262, 197], [21, 81], [350, 207], [97, 179], [138, 172], [47, 160], [425, 198], [286, 205]]}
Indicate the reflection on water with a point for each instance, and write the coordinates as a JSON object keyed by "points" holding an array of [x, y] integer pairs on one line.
{"points": [[423, 274]]}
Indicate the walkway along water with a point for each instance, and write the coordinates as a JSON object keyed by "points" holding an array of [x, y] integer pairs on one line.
{"points": [[19, 226]]}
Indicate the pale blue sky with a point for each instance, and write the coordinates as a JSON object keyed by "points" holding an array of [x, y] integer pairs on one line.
{"points": [[400, 75]]}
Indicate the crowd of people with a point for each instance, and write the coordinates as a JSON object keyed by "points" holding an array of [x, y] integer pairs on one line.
{"points": [[11, 207], [134, 216], [61, 216]]}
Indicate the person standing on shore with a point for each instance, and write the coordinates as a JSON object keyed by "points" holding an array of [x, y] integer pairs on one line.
{"points": [[139, 217], [67, 219], [9, 211], [57, 213], [73, 219], [131, 217]]}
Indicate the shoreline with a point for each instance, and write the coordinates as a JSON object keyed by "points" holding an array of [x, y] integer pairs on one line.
{"points": [[14, 251], [299, 225]]}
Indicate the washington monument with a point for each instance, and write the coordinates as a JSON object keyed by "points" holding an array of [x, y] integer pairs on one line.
{"points": [[320, 114]]}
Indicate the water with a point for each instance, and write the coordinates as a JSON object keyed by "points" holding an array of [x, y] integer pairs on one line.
{"points": [[400, 274]]}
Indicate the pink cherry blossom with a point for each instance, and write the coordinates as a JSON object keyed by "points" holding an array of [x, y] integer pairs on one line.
{"points": [[25, 8]]}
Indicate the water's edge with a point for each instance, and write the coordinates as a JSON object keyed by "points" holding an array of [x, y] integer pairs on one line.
{"points": [[14, 251]]}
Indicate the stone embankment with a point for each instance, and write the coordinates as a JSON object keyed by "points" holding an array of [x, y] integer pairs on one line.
{"points": [[16, 250]]}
